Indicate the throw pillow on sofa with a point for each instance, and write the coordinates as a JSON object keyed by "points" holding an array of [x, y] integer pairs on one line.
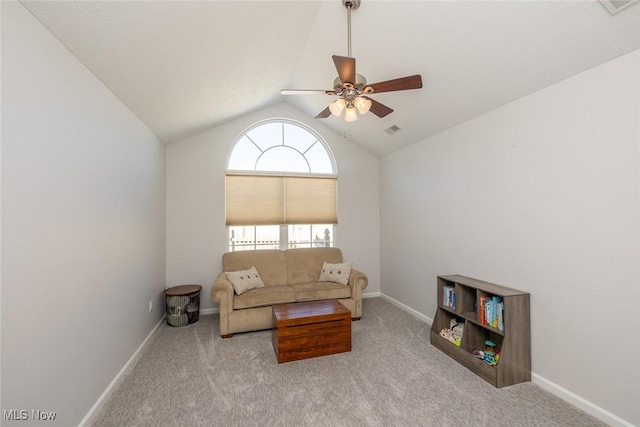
{"points": [[244, 280], [335, 272]]}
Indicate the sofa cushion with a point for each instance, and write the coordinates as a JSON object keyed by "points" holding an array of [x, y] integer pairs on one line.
{"points": [[244, 280], [270, 264], [261, 297], [304, 265], [338, 273], [320, 290]]}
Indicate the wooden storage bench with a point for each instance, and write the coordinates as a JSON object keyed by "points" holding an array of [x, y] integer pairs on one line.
{"points": [[310, 329]]}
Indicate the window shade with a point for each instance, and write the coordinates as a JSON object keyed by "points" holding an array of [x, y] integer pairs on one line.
{"points": [[271, 200], [310, 201]]}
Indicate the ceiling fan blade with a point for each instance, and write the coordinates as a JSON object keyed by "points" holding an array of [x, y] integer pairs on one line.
{"points": [[346, 67], [403, 83], [378, 109], [324, 114], [306, 92]]}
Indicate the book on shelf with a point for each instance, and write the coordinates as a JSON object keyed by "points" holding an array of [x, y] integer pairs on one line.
{"points": [[449, 297], [488, 311], [495, 300], [481, 310], [492, 311]]}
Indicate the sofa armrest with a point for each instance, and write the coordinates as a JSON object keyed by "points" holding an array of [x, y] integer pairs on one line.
{"points": [[358, 279], [222, 293]]}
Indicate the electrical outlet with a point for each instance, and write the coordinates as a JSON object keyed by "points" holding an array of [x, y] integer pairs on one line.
{"points": [[150, 306]]}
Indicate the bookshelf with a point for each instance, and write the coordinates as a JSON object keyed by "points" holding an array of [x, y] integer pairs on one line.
{"points": [[512, 336]]}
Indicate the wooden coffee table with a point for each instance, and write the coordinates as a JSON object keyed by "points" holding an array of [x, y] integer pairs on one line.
{"points": [[310, 329]]}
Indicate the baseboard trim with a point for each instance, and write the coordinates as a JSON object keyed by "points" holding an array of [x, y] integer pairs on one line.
{"points": [[371, 295], [580, 402], [103, 398], [408, 309], [553, 388]]}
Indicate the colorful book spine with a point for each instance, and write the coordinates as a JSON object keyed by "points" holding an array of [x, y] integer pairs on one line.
{"points": [[446, 295], [482, 311], [501, 315], [494, 303], [449, 297], [488, 311]]}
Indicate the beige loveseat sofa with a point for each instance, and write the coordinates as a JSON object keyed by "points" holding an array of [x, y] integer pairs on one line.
{"points": [[289, 276]]}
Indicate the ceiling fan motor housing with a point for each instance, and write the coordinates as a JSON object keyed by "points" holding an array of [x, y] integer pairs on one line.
{"points": [[350, 91], [360, 84]]}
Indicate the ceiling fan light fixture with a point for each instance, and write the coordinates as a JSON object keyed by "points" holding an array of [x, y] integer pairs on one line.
{"points": [[362, 104], [337, 106], [352, 89], [350, 114]]}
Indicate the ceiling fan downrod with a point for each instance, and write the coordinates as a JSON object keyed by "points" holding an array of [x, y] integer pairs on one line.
{"points": [[350, 5]]}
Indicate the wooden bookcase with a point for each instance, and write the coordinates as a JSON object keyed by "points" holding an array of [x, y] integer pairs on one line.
{"points": [[513, 343]]}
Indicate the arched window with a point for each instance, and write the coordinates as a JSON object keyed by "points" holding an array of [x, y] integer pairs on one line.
{"points": [[281, 188], [281, 146]]}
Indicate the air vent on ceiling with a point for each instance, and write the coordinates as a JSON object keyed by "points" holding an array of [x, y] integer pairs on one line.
{"points": [[391, 130], [615, 6]]}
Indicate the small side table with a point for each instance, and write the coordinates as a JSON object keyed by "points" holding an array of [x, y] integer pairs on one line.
{"points": [[183, 304]]}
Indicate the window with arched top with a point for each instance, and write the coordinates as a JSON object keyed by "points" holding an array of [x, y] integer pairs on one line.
{"points": [[281, 146], [281, 188]]}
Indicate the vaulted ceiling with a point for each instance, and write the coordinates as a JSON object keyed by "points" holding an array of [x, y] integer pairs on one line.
{"points": [[185, 66]]}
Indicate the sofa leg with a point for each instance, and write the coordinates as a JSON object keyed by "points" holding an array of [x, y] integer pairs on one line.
{"points": [[227, 336], [355, 319]]}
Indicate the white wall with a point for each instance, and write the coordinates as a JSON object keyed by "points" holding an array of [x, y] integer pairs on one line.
{"points": [[196, 233], [83, 223], [542, 195]]}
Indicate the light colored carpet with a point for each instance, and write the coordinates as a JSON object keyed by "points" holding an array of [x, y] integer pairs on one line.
{"points": [[393, 377]]}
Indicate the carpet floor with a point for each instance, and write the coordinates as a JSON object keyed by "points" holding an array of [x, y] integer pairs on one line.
{"points": [[189, 376]]}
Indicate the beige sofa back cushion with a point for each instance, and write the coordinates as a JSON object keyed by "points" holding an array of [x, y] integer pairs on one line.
{"points": [[304, 265], [270, 264]]}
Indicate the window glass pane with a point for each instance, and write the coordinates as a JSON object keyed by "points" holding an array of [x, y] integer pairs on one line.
{"points": [[310, 236], [282, 159], [243, 238], [244, 155], [248, 238], [268, 237], [298, 138], [319, 160], [322, 235], [299, 236], [267, 135]]}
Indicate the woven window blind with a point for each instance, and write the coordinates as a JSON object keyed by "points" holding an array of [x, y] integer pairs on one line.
{"points": [[274, 200]]}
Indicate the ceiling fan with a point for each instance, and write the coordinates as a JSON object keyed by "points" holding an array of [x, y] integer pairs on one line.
{"points": [[352, 89]]}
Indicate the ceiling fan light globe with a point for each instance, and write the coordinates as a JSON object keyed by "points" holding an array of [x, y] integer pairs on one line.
{"points": [[350, 114], [362, 104], [336, 107]]}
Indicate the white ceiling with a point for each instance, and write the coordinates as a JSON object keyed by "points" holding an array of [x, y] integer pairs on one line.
{"points": [[185, 66]]}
